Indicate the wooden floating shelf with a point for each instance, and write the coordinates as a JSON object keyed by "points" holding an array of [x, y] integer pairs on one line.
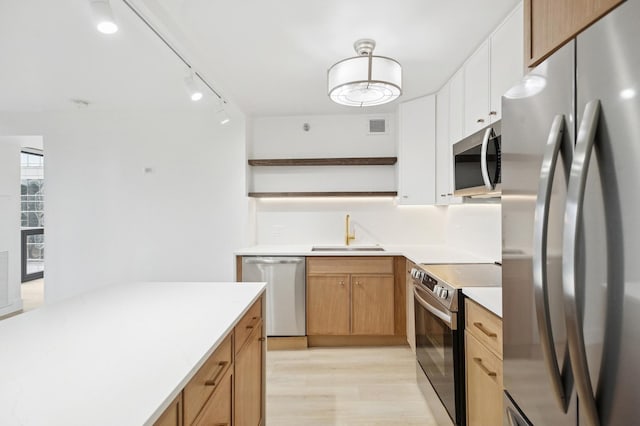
{"points": [[355, 161], [324, 194]]}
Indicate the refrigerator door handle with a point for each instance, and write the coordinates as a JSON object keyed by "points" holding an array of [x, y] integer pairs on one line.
{"points": [[572, 219], [483, 159], [540, 282]]}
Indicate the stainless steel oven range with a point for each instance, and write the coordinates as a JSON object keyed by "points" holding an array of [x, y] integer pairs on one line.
{"points": [[439, 328]]}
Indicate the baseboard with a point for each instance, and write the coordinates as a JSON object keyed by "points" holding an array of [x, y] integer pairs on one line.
{"points": [[11, 310], [284, 343], [337, 341]]}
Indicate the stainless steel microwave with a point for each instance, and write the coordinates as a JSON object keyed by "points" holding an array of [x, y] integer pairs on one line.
{"points": [[476, 163]]}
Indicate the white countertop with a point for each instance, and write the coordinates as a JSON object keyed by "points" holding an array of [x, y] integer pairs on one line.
{"points": [[415, 253], [489, 297], [115, 356]]}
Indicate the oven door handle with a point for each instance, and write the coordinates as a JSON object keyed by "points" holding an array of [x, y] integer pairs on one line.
{"points": [[450, 320]]}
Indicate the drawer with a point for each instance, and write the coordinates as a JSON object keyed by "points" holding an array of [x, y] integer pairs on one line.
{"points": [[218, 409], [484, 326], [206, 380], [484, 384], [350, 265], [248, 322]]}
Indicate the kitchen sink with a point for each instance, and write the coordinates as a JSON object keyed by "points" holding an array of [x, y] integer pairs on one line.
{"points": [[347, 248]]}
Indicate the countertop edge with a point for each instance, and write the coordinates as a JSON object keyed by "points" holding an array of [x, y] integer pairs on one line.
{"points": [[174, 394], [489, 298]]}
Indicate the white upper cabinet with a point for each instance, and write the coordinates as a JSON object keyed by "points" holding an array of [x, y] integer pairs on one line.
{"points": [[456, 107], [416, 151], [494, 68], [507, 66], [476, 90], [444, 155]]}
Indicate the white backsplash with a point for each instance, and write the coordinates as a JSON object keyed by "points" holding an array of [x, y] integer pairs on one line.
{"points": [[470, 227]]}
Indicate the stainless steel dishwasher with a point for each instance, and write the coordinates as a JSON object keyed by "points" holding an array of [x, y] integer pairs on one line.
{"points": [[285, 278]]}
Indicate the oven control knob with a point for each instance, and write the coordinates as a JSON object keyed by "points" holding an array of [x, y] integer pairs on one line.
{"points": [[444, 293], [437, 289]]}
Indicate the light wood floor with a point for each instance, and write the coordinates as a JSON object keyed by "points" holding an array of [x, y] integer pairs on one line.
{"points": [[32, 294], [345, 386]]}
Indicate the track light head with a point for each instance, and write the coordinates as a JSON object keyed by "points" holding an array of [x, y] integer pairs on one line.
{"points": [[193, 89], [103, 16]]}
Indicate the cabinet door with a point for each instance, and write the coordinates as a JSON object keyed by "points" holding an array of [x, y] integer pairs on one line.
{"points": [[372, 305], [328, 304], [444, 155], [551, 23], [172, 416], [416, 151], [506, 59], [456, 107], [248, 381], [411, 321], [217, 410], [484, 384], [476, 90]]}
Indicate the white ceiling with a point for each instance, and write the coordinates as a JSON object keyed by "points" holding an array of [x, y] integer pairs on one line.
{"points": [[270, 57]]}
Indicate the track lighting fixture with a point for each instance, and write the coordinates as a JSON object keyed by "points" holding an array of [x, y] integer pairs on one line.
{"points": [[193, 88], [103, 16]]}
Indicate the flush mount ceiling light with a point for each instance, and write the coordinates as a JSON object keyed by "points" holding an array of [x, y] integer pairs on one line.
{"points": [[103, 16], [365, 80], [192, 87]]}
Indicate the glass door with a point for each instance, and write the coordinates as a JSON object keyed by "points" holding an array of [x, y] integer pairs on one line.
{"points": [[32, 214]]}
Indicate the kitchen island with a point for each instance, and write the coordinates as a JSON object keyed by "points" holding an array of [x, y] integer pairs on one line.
{"points": [[119, 355]]}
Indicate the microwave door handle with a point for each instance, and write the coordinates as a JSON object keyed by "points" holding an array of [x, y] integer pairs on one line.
{"points": [[448, 319], [539, 261], [483, 159], [573, 219]]}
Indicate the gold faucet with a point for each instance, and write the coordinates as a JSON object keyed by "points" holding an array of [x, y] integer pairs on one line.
{"points": [[347, 236]]}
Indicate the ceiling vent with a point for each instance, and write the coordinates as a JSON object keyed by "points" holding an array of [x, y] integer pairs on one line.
{"points": [[377, 126]]}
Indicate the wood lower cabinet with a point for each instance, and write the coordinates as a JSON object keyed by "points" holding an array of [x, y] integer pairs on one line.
{"points": [[328, 305], [349, 296], [229, 388], [172, 416], [218, 409], [483, 366], [249, 380], [549, 24], [372, 305]]}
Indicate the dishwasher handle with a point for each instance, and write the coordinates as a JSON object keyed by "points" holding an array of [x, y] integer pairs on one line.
{"points": [[272, 260]]}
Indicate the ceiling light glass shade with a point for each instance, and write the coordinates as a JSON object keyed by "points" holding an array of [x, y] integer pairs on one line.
{"points": [[365, 80], [192, 88], [103, 16]]}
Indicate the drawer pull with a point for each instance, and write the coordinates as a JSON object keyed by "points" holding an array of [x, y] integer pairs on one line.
{"points": [[214, 381], [482, 328], [254, 321], [262, 339], [483, 368]]}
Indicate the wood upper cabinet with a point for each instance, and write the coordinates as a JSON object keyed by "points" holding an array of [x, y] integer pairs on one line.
{"points": [[249, 376], [483, 362], [328, 304], [172, 416], [352, 296], [549, 24], [372, 305]]}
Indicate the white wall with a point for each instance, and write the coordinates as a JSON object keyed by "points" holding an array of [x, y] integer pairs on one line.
{"points": [[329, 136], [109, 220], [10, 225], [473, 228]]}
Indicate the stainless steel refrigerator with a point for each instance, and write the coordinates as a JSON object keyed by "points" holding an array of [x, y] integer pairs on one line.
{"points": [[571, 231]]}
